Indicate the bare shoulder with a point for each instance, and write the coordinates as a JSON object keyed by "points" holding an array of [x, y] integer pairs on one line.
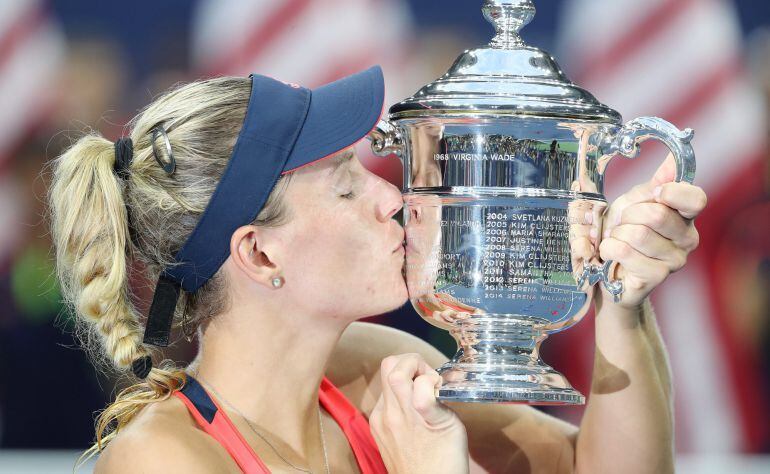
{"points": [[163, 437]]}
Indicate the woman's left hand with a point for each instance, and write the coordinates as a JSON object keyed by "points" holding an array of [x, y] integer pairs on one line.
{"points": [[649, 232]]}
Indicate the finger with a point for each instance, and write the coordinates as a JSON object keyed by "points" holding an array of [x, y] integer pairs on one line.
{"points": [[401, 378], [582, 249], [687, 199], [637, 271], [640, 193], [386, 367], [644, 192], [375, 416], [651, 244], [637, 194], [577, 232], [581, 252], [378, 406], [666, 172], [424, 400], [663, 220], [582, 212], [585, 224]]}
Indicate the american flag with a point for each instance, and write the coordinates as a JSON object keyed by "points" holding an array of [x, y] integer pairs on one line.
{"points": [[682, 60], [309, 42], [31, 52]]}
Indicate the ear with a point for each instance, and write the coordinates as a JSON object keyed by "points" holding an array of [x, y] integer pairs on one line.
{"points": [[249, 252]]}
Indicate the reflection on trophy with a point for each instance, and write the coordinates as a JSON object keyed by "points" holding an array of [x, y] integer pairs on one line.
{"points": [[504, 163]]}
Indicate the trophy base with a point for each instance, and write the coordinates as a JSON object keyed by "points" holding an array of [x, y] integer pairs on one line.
{"points": [[512, 385], [498, 362]]}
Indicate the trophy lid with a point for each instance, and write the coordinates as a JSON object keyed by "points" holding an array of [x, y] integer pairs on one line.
{"points": [[505, 77]]}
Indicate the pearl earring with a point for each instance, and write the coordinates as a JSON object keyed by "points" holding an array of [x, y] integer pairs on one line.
{"points": [[277, 282]]}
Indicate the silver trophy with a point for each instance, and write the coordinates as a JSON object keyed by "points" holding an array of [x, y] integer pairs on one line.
{"points": [[504, 163]]}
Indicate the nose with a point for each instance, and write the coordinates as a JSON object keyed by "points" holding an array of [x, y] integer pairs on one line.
{"points": [[389, 201]]}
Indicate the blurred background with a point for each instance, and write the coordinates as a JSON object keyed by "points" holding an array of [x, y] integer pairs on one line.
{"points": [[70, 65]]}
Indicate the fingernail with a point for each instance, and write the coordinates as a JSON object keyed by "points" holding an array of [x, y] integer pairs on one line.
{"points": [[594, 232], [589, 217], [656, 191]]}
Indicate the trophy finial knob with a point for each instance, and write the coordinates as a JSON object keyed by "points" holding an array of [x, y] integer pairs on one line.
{"points": [[508, 17]]}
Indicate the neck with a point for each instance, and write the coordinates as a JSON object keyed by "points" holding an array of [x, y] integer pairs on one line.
{"points": [[269, 367]]}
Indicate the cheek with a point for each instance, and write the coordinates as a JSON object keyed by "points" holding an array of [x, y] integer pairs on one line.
{"points": [[326, 255], [348, 252], [342, 264]]}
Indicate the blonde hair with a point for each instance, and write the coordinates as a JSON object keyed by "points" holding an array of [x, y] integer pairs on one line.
{"points": [[100, 222]]}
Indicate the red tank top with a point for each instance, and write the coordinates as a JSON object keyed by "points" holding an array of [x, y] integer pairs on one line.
{"points": [[215, 422]]}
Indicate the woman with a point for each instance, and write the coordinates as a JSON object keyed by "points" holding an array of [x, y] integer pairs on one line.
{"points": [[244, 198]]}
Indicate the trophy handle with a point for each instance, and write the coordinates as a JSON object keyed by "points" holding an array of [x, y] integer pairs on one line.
{"points": [[386, 139], [626, 141]]}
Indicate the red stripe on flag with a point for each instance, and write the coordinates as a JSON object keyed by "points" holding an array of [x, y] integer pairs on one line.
{"points": [[20, 29], [36, 124], [642, 31], [744, 377], [705, 91], [687, 108], [743, 369], [256, 42]]}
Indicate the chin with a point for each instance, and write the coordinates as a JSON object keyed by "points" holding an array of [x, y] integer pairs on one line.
{"points": [[386, 304], [398, 301]]}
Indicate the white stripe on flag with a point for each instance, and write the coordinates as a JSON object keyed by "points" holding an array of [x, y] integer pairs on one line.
{"points": [[729, 131], [11, 12], [689, 52], [219, 27], [700, 386], [594, 25], [25, 82], [12, 212], [658, 75]]}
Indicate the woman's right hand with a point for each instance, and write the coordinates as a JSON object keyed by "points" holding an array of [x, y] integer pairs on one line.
{"points": [[415, 432]]}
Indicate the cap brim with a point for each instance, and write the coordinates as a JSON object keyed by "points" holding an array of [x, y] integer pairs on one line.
{"points": [[340, 114]]}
